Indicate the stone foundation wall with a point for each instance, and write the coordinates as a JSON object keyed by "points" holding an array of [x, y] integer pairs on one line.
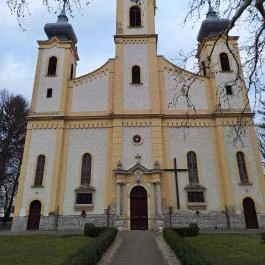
{"points": [[78, 223], [237, 221], [48, 223], [61, 223], [19, 224], [261, 220], [212, 220]]}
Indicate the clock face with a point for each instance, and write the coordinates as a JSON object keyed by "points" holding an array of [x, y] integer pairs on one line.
{"points": [[137, 139]]}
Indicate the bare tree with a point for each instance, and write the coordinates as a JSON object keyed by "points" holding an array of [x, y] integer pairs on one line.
{"points": [[22, 7], [261, 130], [241, 14], [13, 113]]}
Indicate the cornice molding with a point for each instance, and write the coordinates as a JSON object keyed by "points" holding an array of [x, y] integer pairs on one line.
{"points": [[148, 120]]}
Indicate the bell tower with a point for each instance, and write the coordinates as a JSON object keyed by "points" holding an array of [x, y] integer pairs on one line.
{"points": [[219, 58], [135, 17], [56, 65], [136, 82]]}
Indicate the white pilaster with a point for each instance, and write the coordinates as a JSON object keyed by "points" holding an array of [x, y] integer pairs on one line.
{"points": [[159, 207], [118, 207]]}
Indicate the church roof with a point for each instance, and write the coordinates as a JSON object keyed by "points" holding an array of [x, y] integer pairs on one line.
{"points": [[212, 26], [61, 29]]}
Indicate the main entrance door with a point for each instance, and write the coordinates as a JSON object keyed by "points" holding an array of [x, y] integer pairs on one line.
{"points": [[139, 213], [250, 214], [34, 216]]}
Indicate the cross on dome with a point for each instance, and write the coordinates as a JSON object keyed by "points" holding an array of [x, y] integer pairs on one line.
{"points": [[64, 7]]}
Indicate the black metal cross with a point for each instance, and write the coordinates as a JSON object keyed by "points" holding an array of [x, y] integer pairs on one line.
{"points": [[176, 170]]}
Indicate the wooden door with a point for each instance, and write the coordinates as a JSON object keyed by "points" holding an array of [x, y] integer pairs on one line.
{"points": [[139, 212], [34, 216], [250, 214]]}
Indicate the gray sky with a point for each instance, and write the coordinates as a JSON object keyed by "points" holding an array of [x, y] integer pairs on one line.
{"points": [[94, 27]]}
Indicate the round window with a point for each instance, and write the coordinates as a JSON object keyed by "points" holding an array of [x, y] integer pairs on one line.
{"points": [[137, 139]]}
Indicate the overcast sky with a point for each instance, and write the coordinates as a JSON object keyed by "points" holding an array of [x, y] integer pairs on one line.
{"points": [[94, 27]]}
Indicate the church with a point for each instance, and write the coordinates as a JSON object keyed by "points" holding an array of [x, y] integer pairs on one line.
{"points": [[123, 146]]}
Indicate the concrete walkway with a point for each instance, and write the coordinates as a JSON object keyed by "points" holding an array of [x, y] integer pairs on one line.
{"points": [[138, 248]]}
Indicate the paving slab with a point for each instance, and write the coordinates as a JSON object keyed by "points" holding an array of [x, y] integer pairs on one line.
{"points": [[138, 248]]}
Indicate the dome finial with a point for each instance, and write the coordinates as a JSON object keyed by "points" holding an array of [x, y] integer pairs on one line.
{"points": [[64, 7], [211, 11], [61, 29], [210, 5], [62, 18], [212, 26]]}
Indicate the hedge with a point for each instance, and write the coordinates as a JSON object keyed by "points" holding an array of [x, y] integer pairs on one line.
{"points": [[91, 253], [192, 230], [183, 250]]}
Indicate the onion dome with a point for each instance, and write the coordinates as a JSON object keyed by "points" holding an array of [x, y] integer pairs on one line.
{"points": [[212, 26], [61, 29]]}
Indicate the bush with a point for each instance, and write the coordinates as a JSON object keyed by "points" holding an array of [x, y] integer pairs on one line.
{"points": [[192, 230], [184, 251], [91, 253], [102, 229], [91, 230]]}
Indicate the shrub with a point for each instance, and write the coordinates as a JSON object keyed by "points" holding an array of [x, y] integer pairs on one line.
{"points": [[102, 229], [192, 230], [91, 230], [91, 253], [184, 251]]}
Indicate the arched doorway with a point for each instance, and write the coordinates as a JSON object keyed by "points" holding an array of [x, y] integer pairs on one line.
{"points": [[139, 212], [250, 214], [34, 215]]}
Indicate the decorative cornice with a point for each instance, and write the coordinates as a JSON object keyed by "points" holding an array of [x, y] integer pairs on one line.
{"points": [[138, 36], [148, 120], [136, 168], [215, 115], [102, 70]]}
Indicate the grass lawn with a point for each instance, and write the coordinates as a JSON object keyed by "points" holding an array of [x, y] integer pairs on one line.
{"points": [[39, 249], [230, 249]]}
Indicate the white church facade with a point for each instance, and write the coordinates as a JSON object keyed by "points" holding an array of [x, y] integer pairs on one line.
{"points": [[99, 147]]}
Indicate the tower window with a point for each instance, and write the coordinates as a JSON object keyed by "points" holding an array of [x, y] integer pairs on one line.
{"points": [[39, 170], [49, 93], [136, 75], [135, 16], [52, 66], [204, 68], [224, 62], [192, 168], [72, 71], [242, 168], [86, 170], [229, 90]]}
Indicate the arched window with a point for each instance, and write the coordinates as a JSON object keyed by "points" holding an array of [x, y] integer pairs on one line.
{"points": [[242, 168], [192, 168], [86, 169], [39, 170], [136, 75], [224, 62], [52, 66], [135, 16]]}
